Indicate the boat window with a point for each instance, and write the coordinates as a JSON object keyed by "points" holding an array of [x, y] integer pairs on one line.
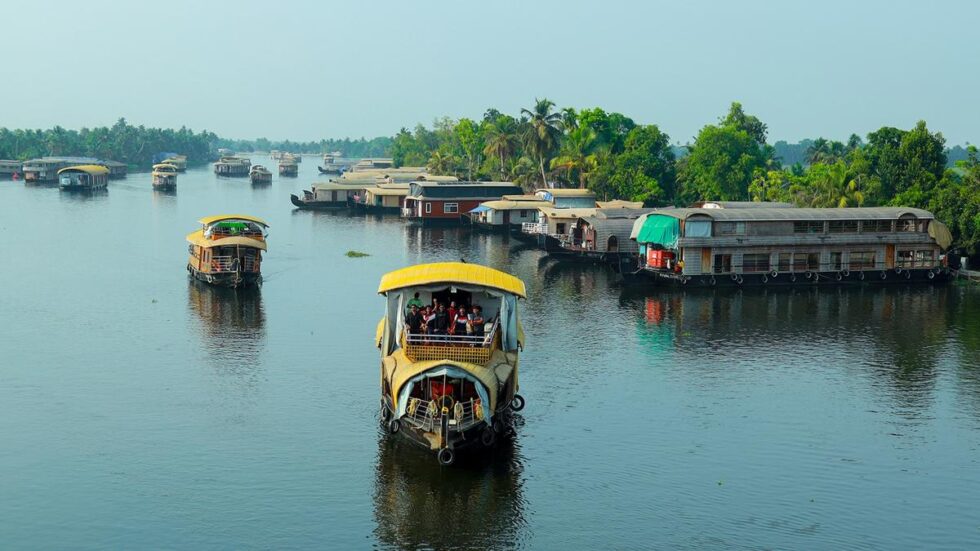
{"points": [[876, 226], [835, 261], [804, 262], [560, 228], [907, 224], [808, 226], [904, 259], [755, 262], [523, 214], [842, 226], [450, 208], [725, 228], [428, 208], [861, 260], [723, 264], [924, 259], [785, 261], [697, 228]]}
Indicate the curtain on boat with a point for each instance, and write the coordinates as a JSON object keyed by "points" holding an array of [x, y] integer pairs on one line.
{"points": [[660, 229]]}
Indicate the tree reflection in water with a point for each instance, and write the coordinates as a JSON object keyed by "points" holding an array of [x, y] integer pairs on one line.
{"points": [[477, 503]]}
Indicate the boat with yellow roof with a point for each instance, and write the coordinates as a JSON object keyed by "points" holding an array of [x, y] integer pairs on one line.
{"points": [[164, 176], [227, 250], [448, 389]]}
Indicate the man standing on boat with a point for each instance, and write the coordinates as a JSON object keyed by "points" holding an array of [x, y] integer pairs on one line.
{"points": [[414, 321], [440, 324], [415, 301]]}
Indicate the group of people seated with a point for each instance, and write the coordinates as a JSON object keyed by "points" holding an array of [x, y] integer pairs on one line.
{"points": [[428, 322]]}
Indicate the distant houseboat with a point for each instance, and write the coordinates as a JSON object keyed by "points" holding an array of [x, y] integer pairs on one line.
{"points": [[288, 167], [375, 164], [772, 246], [83, 177], [570, 198], [8, 168], [227, 250], [331, 166], [388, 198], [452, 384], [554, 226], [233, 167], [178, 161], [330, 195], [117, 170], [447, 202], [46, 169], [260, 175], [164, 176]]}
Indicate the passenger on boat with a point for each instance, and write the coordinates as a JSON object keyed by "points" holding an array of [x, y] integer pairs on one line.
{"points": [[476, 322], [415, 301], [459, 321], [440, 321], [414, 322]]}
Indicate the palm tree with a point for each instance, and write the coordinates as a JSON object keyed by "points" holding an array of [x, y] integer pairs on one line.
{"points": [[441, 162], [502, 143], [577, 154], [834, 187], [543, 133]]}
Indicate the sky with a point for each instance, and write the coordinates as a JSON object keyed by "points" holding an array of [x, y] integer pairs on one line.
{"points": [[332, 69]]}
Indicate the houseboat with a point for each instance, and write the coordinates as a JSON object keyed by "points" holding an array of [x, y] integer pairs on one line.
{"points": [[260, 175], [117, 170], [164, 176], [178, 161], [46, 169], [384, 198], [10, 169], [508, 213], [780, 246], [331, 165], [288, 167], [450, 391], [376, 164], [237, 167], [330, 195], [567, 198], [447, 202], [227, 250], [83, 177], [555, 225], [603, 236]]}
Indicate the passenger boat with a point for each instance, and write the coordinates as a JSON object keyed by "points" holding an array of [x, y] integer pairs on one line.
{"points": [[232, 166], [448, 392], [179, 162], [434, 202], [83, 177], [164, 176], [783, 246], [227, 250], [10, 168], [603, 236], [288, 167], [331, 166], [260, 175], [508, 213]]}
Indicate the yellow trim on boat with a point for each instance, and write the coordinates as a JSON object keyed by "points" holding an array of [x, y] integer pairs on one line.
{"points": [[221, 217], [452, 272], [197, 238], [88, 169]]}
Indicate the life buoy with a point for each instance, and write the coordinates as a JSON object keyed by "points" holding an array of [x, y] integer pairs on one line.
{"points": [[861, 276], [765, 279], [446, 457], [773, 273], [847, 273], [792, 278], [908, 274], [713, 282], [385, 413], [883, 275], [931, 275], [809, 275], [840, 276], [394, 426], [739, 280], [734, 277], [517, 404]]}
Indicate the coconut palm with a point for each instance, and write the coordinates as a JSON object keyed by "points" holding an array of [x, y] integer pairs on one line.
{"points": [[502, 142], [543, 134], [577, 155], [441, 162], [833, 186]]}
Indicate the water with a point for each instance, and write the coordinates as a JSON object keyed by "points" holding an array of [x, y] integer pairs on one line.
{"points": [[141, 410]]}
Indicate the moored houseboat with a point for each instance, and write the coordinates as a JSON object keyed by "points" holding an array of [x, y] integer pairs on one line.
{"points": [[237, 167], [507, 214], [431, 202], [332, 165], [83, 177], [450, 389], [10, 169], [164, 176], [567, 198], [227, 250], [259, 174], [555, 225], [117, 170], [330, 195], [774, 246], [384, 198], [603, 236], [379, 163], [288, 167]]}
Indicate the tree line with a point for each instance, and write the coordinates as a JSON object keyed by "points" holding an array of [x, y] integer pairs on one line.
{"points": [[730, 160]]}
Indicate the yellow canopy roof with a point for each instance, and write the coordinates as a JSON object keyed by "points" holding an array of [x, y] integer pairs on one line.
{"points": [[197, 238], [88, 169], [452, 272], [208, 220], [164, 166]]}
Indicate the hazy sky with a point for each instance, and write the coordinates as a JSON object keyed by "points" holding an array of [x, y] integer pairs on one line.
{"points": [[308, 70]]}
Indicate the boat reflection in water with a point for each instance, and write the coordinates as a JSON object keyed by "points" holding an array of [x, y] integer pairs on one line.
{"points": [[232, 326], [420, 505]]}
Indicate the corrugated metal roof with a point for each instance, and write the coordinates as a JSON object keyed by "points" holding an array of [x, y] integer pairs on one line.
{"points": [[567, 192], [793, 214], [515, 205], [746, 204], [619, 204], [554, 212], [221, 217]]}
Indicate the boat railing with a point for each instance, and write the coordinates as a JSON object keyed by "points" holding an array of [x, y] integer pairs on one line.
{"points": [[406, 211], [457, 348], [427, 414], [534, 228], [232, 264]]}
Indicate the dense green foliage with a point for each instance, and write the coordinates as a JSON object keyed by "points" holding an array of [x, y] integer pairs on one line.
{"points": [[136, 145]]}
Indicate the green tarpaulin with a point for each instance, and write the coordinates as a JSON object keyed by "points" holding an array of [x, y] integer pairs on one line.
{"points": [[660, 229]]}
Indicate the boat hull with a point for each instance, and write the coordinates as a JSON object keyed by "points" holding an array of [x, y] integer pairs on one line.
{"points": [[805, 279], [462, 442], [226, 279], [316, 205]]}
